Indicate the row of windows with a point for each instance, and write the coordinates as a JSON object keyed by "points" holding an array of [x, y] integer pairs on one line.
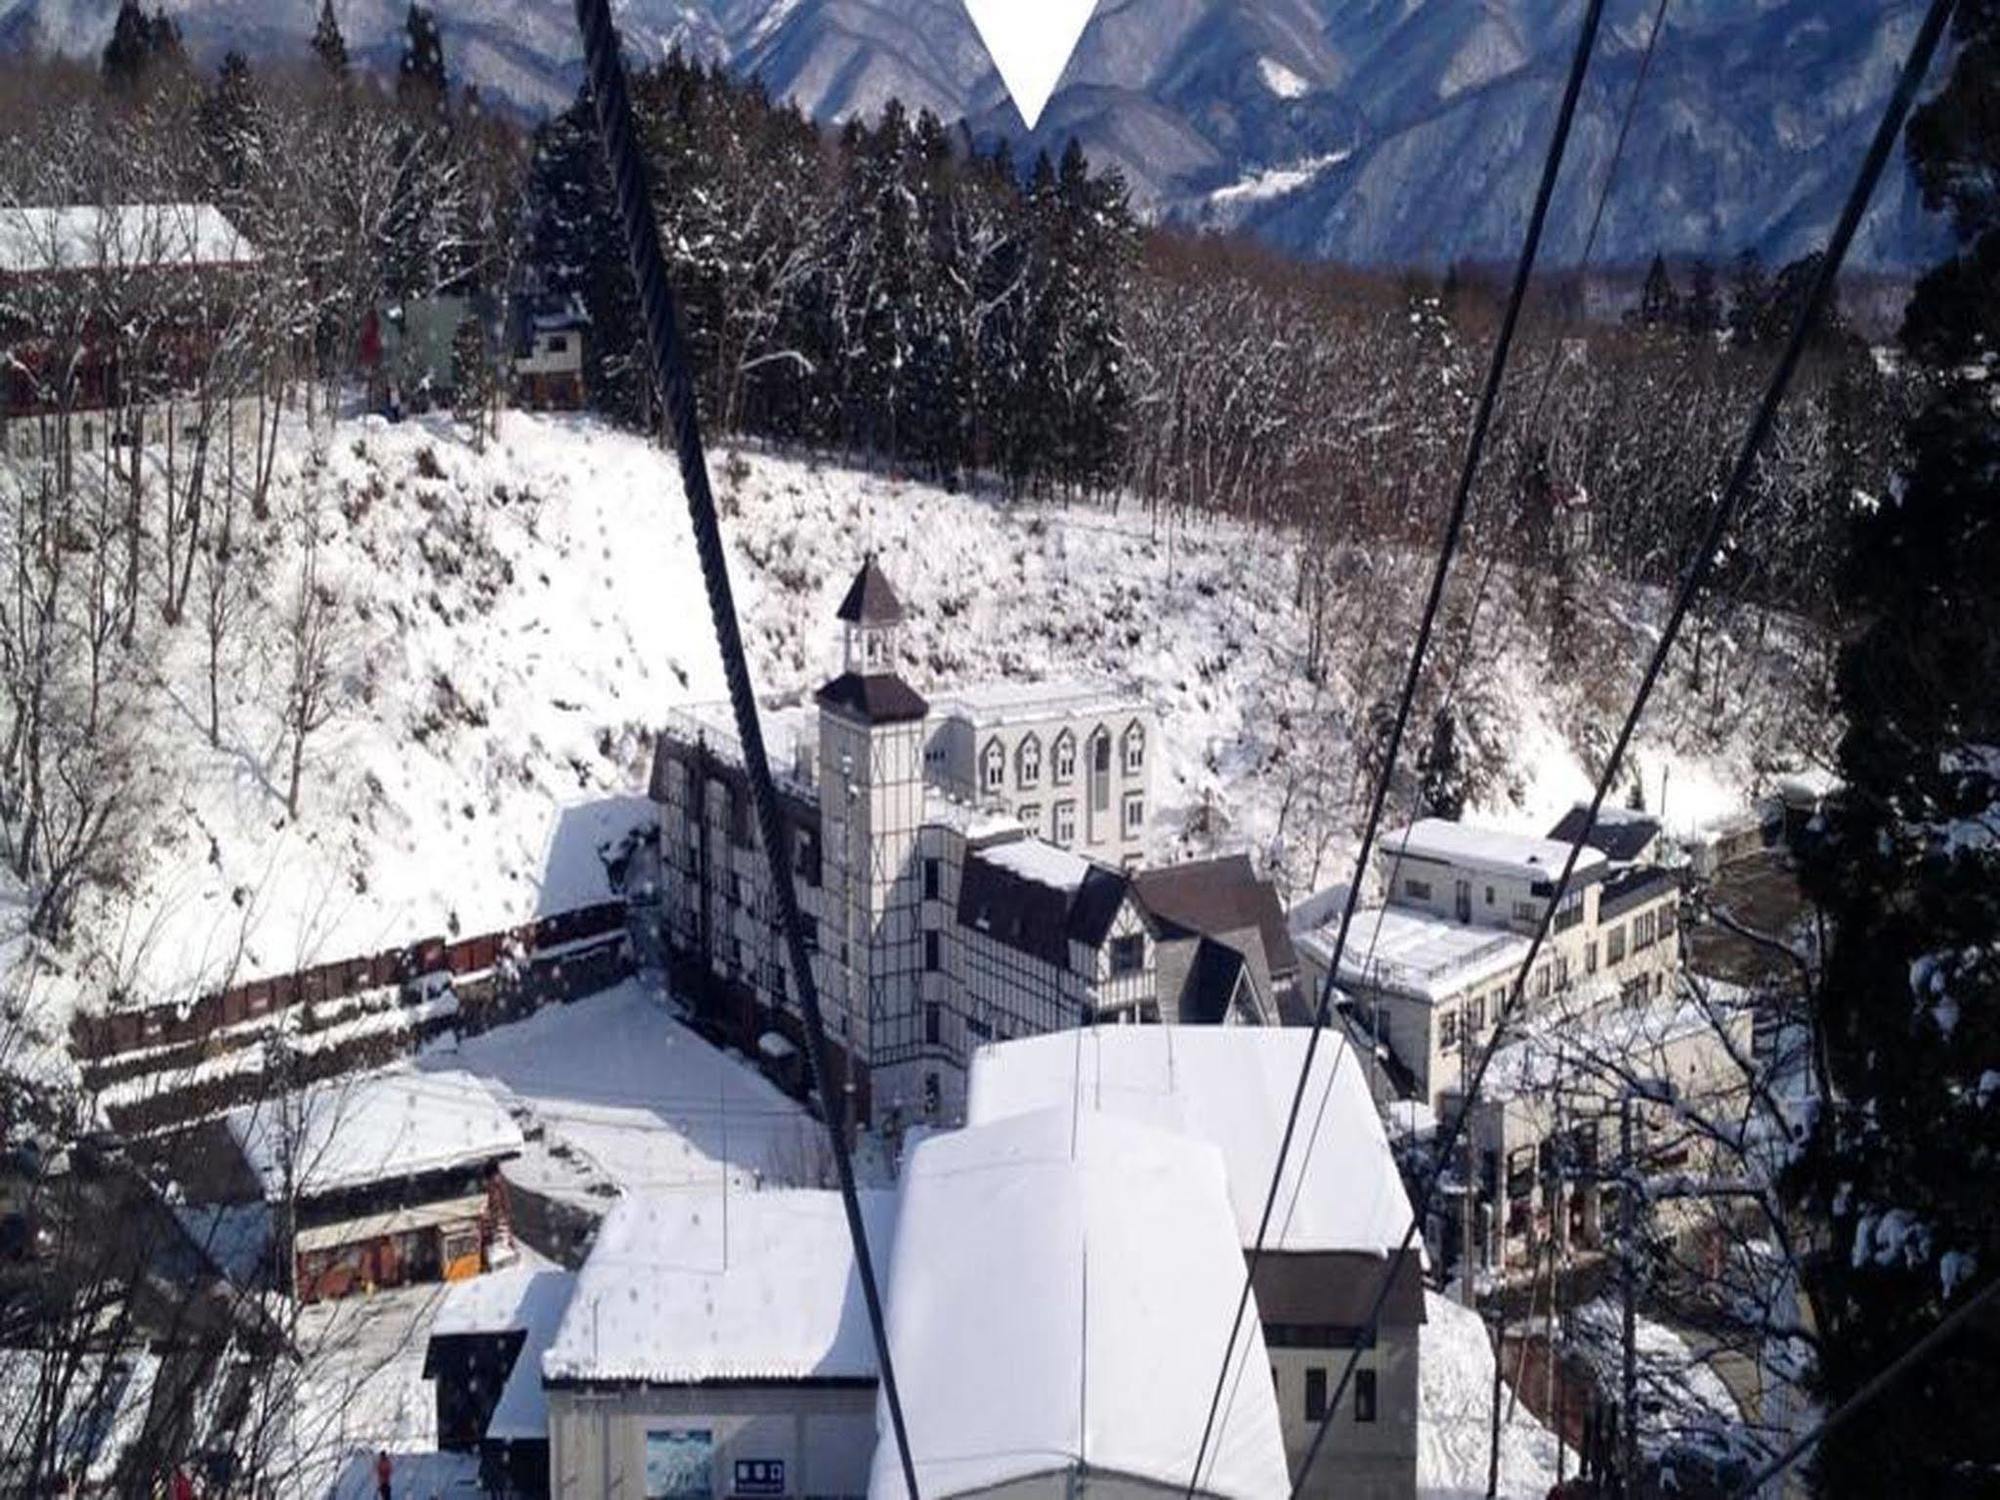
{"points": [[1062, 770], [1363, 1387], [1132, 818]]}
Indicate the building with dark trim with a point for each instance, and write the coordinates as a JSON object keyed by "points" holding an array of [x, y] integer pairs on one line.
{"points": [[967, 871]]}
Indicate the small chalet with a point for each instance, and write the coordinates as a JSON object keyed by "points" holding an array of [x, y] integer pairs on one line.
{"points": [[548, 355], [382, 1180]]}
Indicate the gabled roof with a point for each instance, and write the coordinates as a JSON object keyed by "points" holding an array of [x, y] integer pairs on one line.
{"points": [[1210, 988], [1064, 1282], [879, 698], [1621, 834], [870, 600], [1037, 898], [1215, 897], [378, 1128], [682, 1286], [119, 236]]}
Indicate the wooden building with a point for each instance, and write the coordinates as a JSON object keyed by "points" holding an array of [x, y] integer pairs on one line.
{"points": [[383, 1180]]}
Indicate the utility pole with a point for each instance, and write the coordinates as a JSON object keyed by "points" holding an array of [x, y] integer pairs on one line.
{"points": [[1628, 1395], [1468, 1280]]}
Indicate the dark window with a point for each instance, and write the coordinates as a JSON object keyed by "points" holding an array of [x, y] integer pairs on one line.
{"points": [[559, 344], [1315, 1394], [1364, 1395], [1128, 954], [933, 879], [931, 954], [932, 1022]]}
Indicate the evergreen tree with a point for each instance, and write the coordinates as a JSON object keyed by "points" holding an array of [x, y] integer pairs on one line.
{"points": [[328, 45], [420, 76], [138, 44], [1441, 777], [1701, 312], [129, 50], [1902, 1169], [1658, 303], [1749, 299], [229, 125]]}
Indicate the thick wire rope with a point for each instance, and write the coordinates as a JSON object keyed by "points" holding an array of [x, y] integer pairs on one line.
{"points": [[1454, 530], [606, 73], [1922, 50]]}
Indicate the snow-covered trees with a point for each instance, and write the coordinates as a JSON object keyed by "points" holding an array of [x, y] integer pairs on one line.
{"points": [[890, 292], [1903, 1173]]}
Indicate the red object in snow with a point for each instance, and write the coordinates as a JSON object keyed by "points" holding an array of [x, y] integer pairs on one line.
{"points": [[370, 352], [183, 1488]]}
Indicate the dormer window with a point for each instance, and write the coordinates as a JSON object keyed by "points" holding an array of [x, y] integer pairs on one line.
{"points": [[1064, 769], [1029, 757], [1135, 749], [993, 766]]}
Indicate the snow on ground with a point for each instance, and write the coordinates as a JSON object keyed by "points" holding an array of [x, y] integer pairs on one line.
{"points": [[1684, 1404], [1454, 1414], [1280, 79], [515, 622], [615, 1080]]}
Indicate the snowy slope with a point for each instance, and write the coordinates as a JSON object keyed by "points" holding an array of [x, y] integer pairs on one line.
{"points": [[1454, 1415], [1751, 126], [517, 623]]}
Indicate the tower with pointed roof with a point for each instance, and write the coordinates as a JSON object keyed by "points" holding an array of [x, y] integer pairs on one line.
{"points": [[871, 789]]}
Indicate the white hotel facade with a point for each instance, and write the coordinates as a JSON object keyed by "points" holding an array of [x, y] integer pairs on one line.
{"points": [[963, 868]]}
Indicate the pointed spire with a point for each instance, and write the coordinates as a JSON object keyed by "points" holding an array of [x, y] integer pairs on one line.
{"points": [[870, 599]]}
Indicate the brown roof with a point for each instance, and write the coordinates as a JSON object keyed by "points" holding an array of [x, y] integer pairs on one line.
{"points": [[870, 600], [880, 698], [1214, 897], [1036, 919]]}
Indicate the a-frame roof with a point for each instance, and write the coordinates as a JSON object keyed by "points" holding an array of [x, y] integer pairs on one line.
{"points": [[870, 600]]}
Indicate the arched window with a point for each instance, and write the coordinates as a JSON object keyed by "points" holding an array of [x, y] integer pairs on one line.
{"points": [[1135, 748], [1064, 769], [993, 766], [1028, 761]]}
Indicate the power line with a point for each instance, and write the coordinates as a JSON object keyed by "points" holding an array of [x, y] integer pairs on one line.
{"points": [[1454, 530], [1888, 1376], [1914, 68], [606, 73]]}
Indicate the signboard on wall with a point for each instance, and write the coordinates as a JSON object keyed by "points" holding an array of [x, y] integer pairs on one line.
{"points": [[760, 1476], [680, 1464]]}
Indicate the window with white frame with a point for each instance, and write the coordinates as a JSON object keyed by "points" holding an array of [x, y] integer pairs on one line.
{"points": [[1135, 815], [1065, 829], [1031, 816], [1135, 749], [1447, 1030], [1064, 757], [993, 766], [1028, 761]]}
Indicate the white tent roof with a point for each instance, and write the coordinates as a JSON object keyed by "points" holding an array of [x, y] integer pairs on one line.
{"points": [[375, 1128], [684, 1286], [1230, 1086], [1063, 1291]]}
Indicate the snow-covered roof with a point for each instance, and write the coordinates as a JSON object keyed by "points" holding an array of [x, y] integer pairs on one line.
{"points": [[504, 1301], [522, 1412], [1063, 1292], [992, 704], [1490, 850], [125, 236], [1231, 1087], [375, 1128], [1426, 957], [687, 1286], [1589, 1035], [1038, 860]]}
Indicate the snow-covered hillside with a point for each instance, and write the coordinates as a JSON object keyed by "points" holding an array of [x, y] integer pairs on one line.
{"points": [[1752, 124], [513, 623]]}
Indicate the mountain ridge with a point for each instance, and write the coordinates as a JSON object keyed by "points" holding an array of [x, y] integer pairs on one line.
{"points": [[1376, 132]]}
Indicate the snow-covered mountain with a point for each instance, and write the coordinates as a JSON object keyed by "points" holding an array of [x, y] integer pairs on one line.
{"points": [[1366, 130]]}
